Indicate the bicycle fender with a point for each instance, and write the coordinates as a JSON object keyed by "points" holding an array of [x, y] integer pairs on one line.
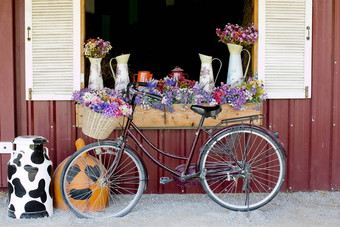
{"points": [[273, 136]]}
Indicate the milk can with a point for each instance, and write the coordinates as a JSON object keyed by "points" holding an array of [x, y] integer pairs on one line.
{"points": [[29, 179]]}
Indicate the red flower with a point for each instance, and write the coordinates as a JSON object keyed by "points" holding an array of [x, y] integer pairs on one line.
{"points": [[218, 96]]}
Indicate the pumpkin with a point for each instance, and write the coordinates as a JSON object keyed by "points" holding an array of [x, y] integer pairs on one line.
{"points": [[97, 197]]}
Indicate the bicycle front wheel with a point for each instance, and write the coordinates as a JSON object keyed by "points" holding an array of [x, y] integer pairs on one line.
{"points": [[242, 168], [95, 183]]}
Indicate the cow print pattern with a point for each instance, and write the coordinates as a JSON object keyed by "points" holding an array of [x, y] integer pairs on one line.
{"points": [[37, 156], [10, 191], [39, 192], [32, 172], [81, 194], [93, 172], [74, 170], [18, 188], [36, 208], [29, 182], [11, 170], [17, 160]]}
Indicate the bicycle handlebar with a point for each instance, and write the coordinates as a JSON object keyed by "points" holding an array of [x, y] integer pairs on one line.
{"points": [[143, 84]]}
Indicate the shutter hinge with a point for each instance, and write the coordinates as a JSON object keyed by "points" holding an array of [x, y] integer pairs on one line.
{"points": [[306, 91], [30, 94], [28, 33], [308, 35]]}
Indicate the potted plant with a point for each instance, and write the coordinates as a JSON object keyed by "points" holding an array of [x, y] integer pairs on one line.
{"points": [[235, 37], [95, 50]]}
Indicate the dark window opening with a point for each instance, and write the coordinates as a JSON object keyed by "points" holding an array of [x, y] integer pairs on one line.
{"points": [[162, 34]]}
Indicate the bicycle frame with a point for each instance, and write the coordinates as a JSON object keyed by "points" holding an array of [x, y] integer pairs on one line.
{"points": [[188, 159], [183, 176]]}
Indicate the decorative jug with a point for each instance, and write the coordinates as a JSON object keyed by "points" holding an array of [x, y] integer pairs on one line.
{"points": [[95, 77], [178, 74], [235, 73], [206, 73], [122, 72], [142, 76]]}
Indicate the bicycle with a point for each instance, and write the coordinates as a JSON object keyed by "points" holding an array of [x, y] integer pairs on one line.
{"points": [[241, 167]]}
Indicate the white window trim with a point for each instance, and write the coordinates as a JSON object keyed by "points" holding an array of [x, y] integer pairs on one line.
{"points": [[29, 57], [306, 92]]}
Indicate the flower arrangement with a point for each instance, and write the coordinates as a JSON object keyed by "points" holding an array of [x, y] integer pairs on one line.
{"points": [[104, 101], [96, 48], [192, 93], [238, 35], [111, 103], [248, 92]]}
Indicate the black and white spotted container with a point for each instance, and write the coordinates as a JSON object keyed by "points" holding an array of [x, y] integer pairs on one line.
{"points": [[29, 179]]}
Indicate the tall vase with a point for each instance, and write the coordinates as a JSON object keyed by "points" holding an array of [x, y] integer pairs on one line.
{"points": [[235, 72], [95, 77]]}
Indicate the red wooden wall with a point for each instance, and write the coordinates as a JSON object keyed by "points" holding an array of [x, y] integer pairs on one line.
{"points": [[309, 128]]}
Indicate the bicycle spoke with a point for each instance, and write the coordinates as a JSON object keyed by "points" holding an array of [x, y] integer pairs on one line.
{"points": [[114, 186], [261, 163]]}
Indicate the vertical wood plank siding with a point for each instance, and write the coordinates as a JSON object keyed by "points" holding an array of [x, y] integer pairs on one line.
{"points": [[7, 71], [309, 128]]}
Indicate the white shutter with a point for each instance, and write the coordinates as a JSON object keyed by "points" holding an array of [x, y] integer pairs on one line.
{"points": [[285, 47], [52, 48]]}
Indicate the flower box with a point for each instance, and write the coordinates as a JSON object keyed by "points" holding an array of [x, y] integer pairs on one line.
{"points": [[152, 118]]}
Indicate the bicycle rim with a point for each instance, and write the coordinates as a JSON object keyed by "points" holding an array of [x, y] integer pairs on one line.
{"points": [[250, 182], [95, 185]]}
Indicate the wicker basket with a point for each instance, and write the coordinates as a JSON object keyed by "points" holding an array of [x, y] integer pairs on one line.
{"points": [[97, 125]]}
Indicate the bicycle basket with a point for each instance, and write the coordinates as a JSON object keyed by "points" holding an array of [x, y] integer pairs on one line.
{"points": [[98, 126]]}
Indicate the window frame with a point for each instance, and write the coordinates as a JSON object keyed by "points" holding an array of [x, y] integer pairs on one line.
{"points": [[304, 92], [76, 40]]}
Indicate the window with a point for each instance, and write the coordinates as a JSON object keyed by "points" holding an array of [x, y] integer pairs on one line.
{"points": [[161, 35], [52, 46], [285, 47], [53, 54]]}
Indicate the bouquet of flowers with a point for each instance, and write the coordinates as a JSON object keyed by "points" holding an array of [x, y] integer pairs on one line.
{"points": [[104, 101], [96, 48], [238, 35]]}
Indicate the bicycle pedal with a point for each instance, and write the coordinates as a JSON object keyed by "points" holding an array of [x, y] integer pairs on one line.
{"points": [[165, 180]]}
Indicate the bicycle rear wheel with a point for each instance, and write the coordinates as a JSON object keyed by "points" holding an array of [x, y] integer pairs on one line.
{"points": [[95, 185], [242, 168]]}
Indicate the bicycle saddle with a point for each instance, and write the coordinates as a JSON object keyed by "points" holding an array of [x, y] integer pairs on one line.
{"points": [[207, 111]]}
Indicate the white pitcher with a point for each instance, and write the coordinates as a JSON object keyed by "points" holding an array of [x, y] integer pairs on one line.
{"points": [[235, 73], [122, 72], [206, 74]]}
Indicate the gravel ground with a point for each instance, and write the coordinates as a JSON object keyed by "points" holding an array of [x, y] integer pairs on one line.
{"points": [[287, 209]]}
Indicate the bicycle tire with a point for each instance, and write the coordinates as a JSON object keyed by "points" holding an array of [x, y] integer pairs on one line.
{"points": [[105, 191], [257, 153]]}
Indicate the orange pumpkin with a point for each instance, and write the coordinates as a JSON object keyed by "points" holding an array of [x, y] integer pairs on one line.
{"points": [[97, 197]]}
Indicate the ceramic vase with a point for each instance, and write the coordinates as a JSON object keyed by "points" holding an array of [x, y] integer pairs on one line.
{"points": [[95, 77]]}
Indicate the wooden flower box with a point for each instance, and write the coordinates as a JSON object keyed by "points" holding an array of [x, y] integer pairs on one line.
{"points": [[157, 119]]}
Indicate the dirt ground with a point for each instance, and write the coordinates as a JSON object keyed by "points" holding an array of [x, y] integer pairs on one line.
{"points": [[287, 209]]}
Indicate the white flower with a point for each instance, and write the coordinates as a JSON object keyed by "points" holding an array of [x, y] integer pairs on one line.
{"points": [[88, 97]]}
